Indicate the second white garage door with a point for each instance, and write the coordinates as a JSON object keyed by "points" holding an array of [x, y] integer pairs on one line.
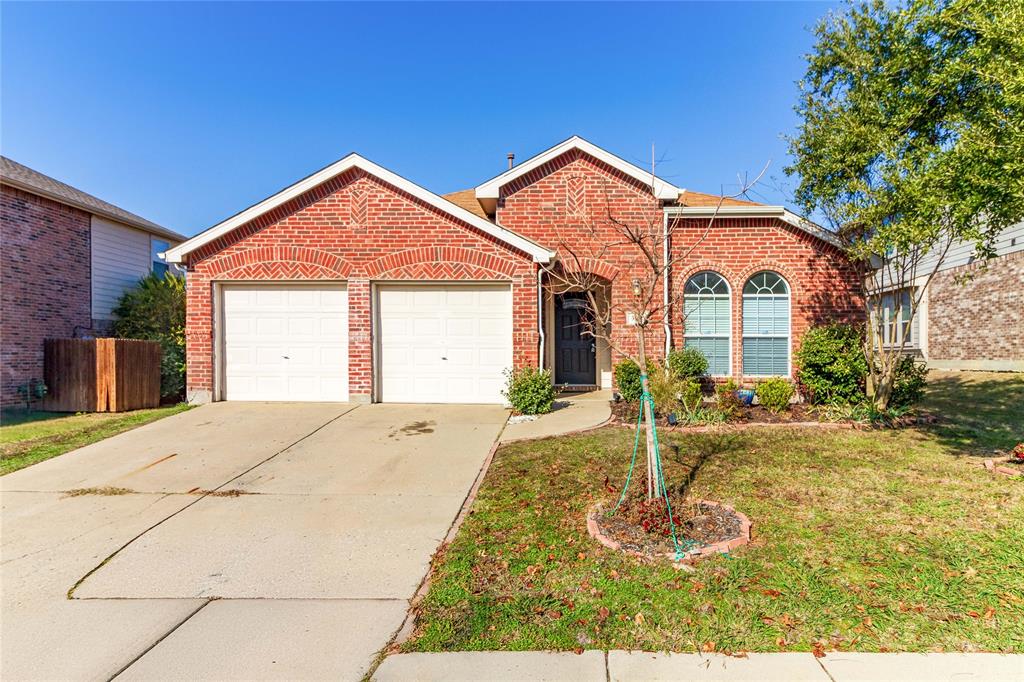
{"points": [[285, 342], [444, 344]]}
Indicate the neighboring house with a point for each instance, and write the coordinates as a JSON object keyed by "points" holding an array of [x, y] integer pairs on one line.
{"points": [[357, 284], [971, 314], [67, 258]]}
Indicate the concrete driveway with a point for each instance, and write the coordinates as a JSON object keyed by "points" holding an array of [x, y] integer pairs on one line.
{"points": [[233, 541]]}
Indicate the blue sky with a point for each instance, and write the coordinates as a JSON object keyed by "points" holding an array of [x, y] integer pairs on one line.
{"points": [[187, 112]]}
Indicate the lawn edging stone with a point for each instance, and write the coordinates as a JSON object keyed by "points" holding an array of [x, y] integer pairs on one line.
{"points": [[720, 547]]}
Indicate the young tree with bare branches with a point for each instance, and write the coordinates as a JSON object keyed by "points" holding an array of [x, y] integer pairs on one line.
{"points": [[649, 249]]}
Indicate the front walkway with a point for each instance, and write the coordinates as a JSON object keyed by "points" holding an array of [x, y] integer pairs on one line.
{"points": [[572, 412], [625, 666], [232, 541]]}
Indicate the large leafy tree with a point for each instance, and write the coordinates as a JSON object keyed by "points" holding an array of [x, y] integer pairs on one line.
{"points": [[912, 140]]}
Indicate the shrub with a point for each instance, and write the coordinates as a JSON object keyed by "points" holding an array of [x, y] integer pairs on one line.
{"points": [[729, 404], [774, 394], [832, 364], [155, 311], [665, 389], [908, 382], [627, 379], [529, 390], [691, 395], [687, 363]]}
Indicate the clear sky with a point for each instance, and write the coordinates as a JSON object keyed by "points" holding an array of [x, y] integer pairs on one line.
{"points": [[186, 113]]}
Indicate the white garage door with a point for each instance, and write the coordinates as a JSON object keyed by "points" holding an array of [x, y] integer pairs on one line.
{"points": [[444, 344], [285, 342]]}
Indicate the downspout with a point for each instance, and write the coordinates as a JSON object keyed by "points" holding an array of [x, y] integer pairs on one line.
{"points": [[665, 285], [540, 314]]}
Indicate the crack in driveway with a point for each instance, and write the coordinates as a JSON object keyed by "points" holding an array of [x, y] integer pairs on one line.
{"points": [[207, 493]]}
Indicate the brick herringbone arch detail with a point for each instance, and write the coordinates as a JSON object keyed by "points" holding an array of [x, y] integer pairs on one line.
{"points": [[592, 265], [773, 266], [735, 284], [439, 255], [282, 261]]}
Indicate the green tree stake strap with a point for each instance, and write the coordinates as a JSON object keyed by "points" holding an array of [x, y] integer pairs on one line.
{"points": [[662, 489]]}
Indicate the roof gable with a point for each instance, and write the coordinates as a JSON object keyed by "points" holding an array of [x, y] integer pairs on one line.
{"points": [[26, 179], [491, 190], [178, 253]]}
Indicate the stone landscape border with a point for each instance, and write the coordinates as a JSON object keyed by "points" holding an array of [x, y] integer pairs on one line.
{"points": [[720, 547]]}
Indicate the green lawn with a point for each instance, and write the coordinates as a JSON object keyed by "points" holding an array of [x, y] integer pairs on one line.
{"points": [[864, 540], [30, 437]]}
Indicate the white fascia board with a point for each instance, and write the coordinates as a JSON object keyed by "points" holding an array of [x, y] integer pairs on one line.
{"points": [[492, 188], [780, 212], [730, 211], [178, 253]]}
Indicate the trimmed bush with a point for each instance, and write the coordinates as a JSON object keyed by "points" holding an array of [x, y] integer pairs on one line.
{"points": [[832, 365], [627, 379], [155, 311], [774, 394], [687, 363], [529, 390], [908, 382]]}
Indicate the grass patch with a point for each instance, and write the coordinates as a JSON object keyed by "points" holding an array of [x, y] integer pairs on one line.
{"points": [[30, 437], [863, 540]]}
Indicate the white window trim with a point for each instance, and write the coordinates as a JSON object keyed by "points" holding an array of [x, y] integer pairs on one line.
{"points": [[789, 328], [912, 343], [728, 297]]}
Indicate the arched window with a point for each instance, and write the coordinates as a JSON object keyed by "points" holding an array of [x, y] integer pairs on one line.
{"points": [[707, 323], [766, 325]]}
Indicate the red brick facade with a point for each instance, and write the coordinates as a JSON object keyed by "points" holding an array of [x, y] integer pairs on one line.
{"points": [[358, 229], [568, 201], [821, 281], [548, 206], [44, 280]]}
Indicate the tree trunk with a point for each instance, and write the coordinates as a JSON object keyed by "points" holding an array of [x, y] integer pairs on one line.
{"points": [[653, 480]]}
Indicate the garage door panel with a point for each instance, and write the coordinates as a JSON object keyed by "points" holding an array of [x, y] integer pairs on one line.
{"points": [[285, 342], [444, 343]]}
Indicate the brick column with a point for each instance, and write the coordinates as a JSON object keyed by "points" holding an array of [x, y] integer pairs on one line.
{"points": [[360, 341]]}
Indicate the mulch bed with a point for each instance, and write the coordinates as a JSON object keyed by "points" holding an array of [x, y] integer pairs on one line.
{"points": [[626, 413], [697, 524]]}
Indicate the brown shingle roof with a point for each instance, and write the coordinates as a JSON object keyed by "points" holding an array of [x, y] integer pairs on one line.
{"points": [[690, 198], [24, 178], [466, 198]]}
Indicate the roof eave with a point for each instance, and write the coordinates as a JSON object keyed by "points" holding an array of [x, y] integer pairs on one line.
{"points": [[179, 253], [491, 190], [93, 210], [780, 212]]}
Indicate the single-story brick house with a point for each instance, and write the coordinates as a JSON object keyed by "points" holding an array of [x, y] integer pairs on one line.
{"points": [[357, 284], [67, 259]]}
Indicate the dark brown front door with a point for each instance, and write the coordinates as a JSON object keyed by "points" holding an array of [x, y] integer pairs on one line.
{"points": [[575, 353]]}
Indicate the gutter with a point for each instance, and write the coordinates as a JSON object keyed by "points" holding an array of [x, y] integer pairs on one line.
{"points": [[665, 284], [540, 314]]}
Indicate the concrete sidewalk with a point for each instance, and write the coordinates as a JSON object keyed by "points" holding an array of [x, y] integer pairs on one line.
{"points": [[626, 666], [572, 412]]}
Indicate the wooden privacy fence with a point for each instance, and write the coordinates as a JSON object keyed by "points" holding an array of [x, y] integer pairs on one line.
{"points": [[101, 375]]}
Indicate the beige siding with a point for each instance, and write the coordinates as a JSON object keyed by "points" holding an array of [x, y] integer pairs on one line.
{"points": [[1009, 241], [120, 258]]}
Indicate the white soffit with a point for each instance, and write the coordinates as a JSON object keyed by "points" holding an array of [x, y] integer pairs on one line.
{"points": [[780, 212]]}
